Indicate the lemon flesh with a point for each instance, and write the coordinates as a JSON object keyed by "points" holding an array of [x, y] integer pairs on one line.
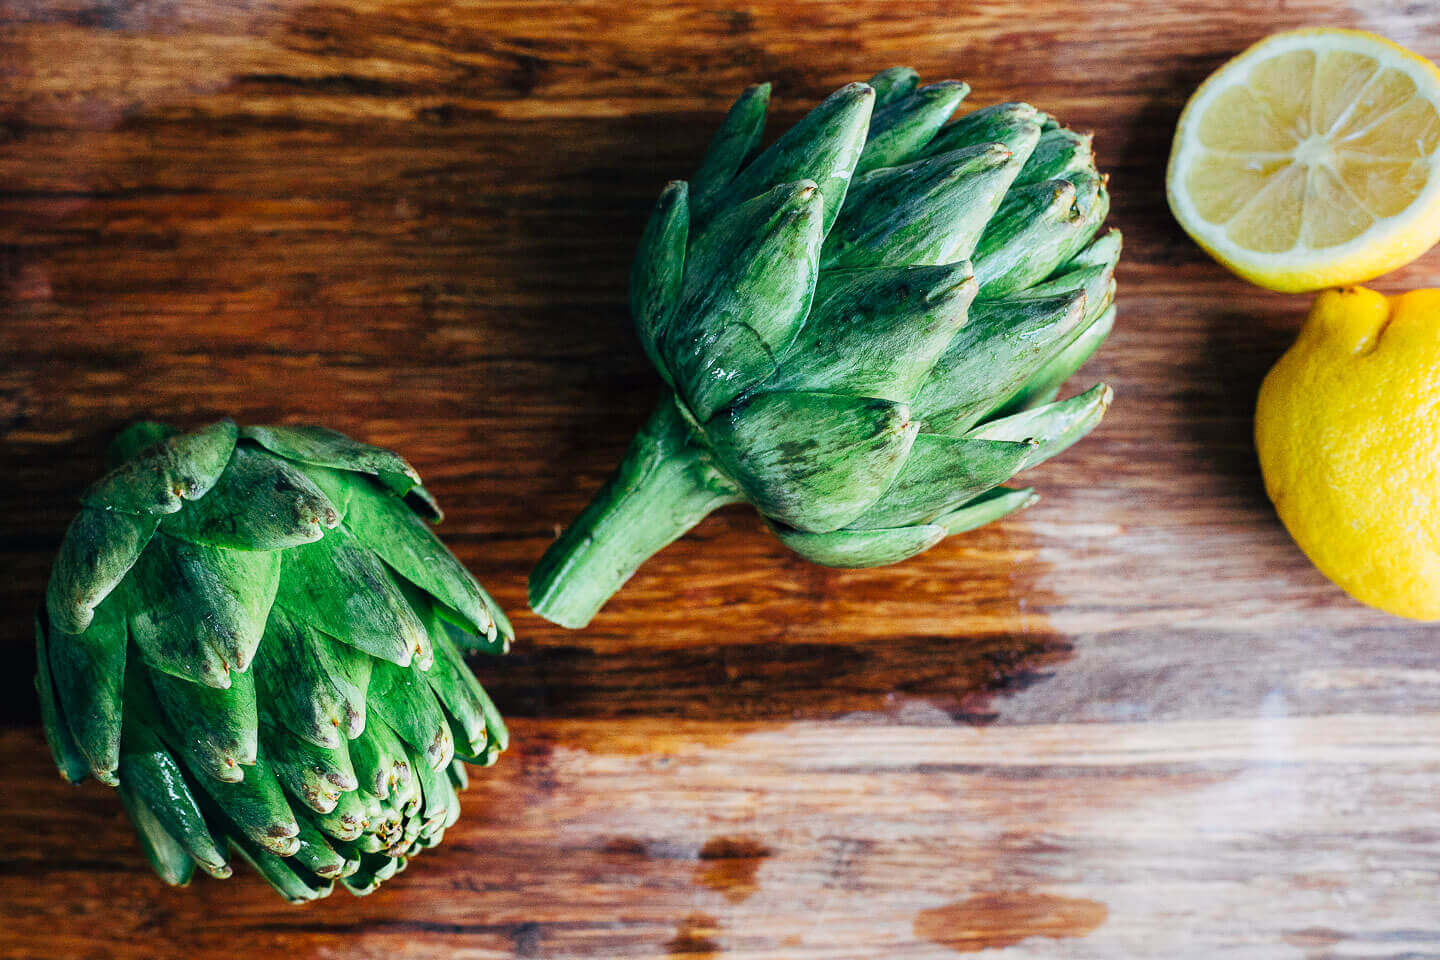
{"points": [[1310, 160], [1348, 431]]}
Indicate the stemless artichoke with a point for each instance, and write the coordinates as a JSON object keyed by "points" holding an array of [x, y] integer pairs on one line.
{"points": [[254, 635], [862, 328]]}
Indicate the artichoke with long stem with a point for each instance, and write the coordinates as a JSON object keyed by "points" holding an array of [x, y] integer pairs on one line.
{"points": [[253, 634], [862, 331]]}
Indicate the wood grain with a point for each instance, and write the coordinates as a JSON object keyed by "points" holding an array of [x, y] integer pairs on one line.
{"points": [[1130, 722]]}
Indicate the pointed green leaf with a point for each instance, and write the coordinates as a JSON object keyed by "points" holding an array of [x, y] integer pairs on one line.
{"points": [[658, 270], [1104, 250], [401, 697], [198, 611], [166, 854], [317, 855], [88, 671], [1045, 382], [1017, 126], [410, 548], [1058, 154], [862, 548], [941, 474], [338, 586], [877, 333], [256, 807], [214, 729], [287, 877], [735, 142], [328, 448], [440, 803], [810, 460], [1053, 428], [347, 822], [992, 356], [316, 776], [99, 548], [986, 508], [892, 84], [900, 130], [748, 281], [160, 477], [1036, 229], [928, 212], [379, 759], [459, 776], [454, 686], [312, 683], [823, 147], [260, 502], [67, 756], [150, 772]]}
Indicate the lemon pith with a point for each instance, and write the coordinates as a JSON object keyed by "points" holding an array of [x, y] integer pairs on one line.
{"points": [[1347, 426], [1311, 160]]}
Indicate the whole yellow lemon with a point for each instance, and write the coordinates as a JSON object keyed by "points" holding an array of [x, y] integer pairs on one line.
{"points": [[1348, 430]]}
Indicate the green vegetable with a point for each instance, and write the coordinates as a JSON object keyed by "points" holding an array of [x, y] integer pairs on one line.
{"points": [[255, 635], [862, 330]]}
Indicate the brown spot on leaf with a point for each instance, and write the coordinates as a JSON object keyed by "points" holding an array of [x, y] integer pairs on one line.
{"points": [[1004, 918], [728, 865]]}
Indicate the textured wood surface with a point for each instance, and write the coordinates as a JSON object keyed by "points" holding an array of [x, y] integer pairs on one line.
{"points": [[1130, 722]]}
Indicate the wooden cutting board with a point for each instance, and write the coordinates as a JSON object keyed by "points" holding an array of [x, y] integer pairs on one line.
{"points": [[1130, 722]]}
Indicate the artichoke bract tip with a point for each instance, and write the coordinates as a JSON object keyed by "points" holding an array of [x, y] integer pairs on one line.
{"points": [[867, 375], [251, 633]]}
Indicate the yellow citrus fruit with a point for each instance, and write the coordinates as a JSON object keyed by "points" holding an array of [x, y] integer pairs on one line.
{"points": [[1348, 430], [1310, 160]]}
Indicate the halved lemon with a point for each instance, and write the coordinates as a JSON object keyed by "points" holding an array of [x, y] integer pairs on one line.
{"points": [[1310, 160]]}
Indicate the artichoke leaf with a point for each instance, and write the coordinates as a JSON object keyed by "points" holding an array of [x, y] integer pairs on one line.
{"points": [[735, 143], [401, 697], [823, 147], [1045, 382], [407, 545], [1058, 154], [877, 333], [944, 472], [150, 772], [1053, 428], [992, 356], [1015, 125], [893, 83], [316, 855], [88, 671], [311, 683], [160, 477], [658, 270], [862, 548], [330, 448], [380, 761], [256, 807], [316, 776], [99, 549], [930, 211], [338, 586], [216, 730], [167, 855], [900, 129], [260, 502], [813, 461], [749, 278], [67, 756], [198, 611], [986, 508], [347, 821], [1038, 228], [290, 880]]}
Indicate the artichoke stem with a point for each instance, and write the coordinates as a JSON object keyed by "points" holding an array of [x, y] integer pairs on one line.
{"points": [[665, 485]]}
